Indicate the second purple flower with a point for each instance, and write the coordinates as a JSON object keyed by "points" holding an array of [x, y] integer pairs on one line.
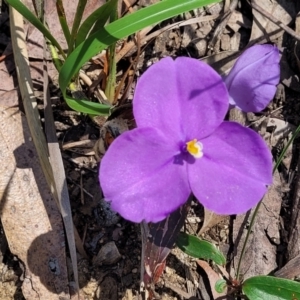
{"points": [[252, 81]]}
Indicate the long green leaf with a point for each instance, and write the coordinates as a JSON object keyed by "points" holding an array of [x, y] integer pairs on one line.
{"points": [[193, 246], [77, 20], [63, 21], [119, 30], [271, 288], [100, 16], [88, 107], [26, 13]]}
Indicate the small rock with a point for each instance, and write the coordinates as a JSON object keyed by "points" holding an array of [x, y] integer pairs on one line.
{"points": [[108, 255], [193, 220], [235, 41], [107, 216], [187, 36], [238, 20], [201, 47], [61, 126], [127, 279], [214, 9], [116, 234], [204, 29], [169, 271], [161, 42], [225, 42]]}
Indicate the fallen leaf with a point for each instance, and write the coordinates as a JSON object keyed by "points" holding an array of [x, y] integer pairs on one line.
{"points": [[213, 277], [290, 270], [29, 215], [210, 219], [157, 242], [8, 91], [261, 250]]}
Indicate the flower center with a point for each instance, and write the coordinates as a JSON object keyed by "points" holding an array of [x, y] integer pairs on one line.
{"points": [[195, 148]]}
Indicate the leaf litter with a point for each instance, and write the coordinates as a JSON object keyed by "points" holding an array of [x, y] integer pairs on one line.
{"points": [[109, 264]]}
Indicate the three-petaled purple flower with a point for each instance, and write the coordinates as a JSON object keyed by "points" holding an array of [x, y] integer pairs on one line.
{"points": [[182, 145]]}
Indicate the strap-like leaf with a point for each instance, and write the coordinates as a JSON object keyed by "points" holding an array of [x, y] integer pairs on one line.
{"points": [[99, 16], [270, 288]]}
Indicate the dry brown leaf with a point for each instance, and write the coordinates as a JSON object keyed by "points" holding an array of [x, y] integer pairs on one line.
{"points": [[29, 214], [8, 91], [288, 76], [261, 251], [294, 221], [290, 270], [210, 219], [213, 277], [264, 30]]}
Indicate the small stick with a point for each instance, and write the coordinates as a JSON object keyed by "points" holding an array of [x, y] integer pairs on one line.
{"points": [[129, 6], [275, 21], [218, 31], [144, 38]]}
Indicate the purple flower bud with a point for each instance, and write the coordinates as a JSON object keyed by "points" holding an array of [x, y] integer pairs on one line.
{"points": [[252, 81]]}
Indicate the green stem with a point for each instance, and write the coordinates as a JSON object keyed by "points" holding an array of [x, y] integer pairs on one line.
{"points": [[111, 82], [278, 162]]}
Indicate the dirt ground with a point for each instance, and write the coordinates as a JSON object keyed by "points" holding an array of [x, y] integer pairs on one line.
{"points": [[109, 261]]}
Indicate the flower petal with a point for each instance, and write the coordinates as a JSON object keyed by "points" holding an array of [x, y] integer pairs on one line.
{"points": [[232, 175], [185, 98], [252, 81], [138, 175]]}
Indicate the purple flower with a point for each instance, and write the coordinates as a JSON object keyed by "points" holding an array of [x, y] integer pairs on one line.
{"points": [[252, 81], [181, 146]]}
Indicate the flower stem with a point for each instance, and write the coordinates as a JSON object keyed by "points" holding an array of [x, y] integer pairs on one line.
{"points": [[278, 162]]}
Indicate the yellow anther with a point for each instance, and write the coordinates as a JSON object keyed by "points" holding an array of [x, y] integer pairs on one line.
{"points": [[195, 148]]}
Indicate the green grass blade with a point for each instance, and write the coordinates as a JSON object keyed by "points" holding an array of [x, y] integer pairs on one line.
{"points": [[27, 14], [88, 107], [99, 16], [111, 82], [54, 55], [77, 19], [121, 29], [99, 24], [63, 21]]}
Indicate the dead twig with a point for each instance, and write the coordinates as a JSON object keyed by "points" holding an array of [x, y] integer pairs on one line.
{"points": [[144, 38], [275, 21], [218, 31]]}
